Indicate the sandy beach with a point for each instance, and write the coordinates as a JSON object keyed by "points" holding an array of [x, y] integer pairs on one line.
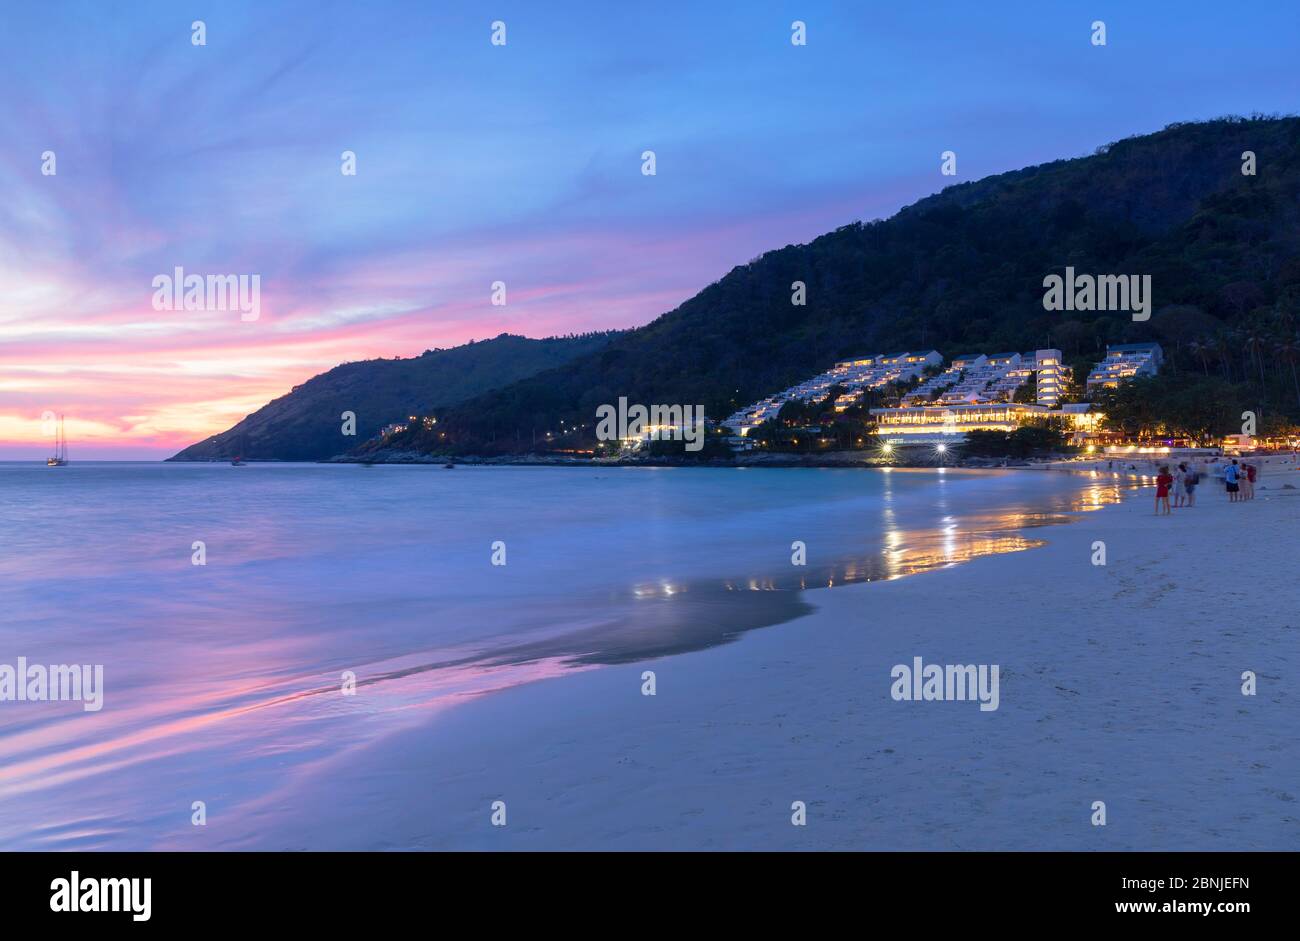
{"points": [[1120, 683], [1278, 469]]}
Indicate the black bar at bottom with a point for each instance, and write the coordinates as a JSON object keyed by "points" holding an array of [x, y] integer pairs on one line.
{"points": [[338, 890]]}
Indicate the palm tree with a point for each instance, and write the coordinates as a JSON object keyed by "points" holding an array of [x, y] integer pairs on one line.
{"points": [[1254, 341], [1288, 349], [1284, 316], [1235, 339], [1222, 348], [1200, 348]]}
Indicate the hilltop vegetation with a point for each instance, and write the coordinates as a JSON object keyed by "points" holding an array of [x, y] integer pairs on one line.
{"points": [[963, 270], [305, 424]]}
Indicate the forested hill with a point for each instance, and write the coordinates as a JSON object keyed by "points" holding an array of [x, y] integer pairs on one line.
{"points": [[305, 424], [963, 270]]}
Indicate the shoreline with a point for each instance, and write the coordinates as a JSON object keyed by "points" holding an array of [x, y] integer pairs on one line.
{"points": [[862, 459], [1135, 466], [1273, 465], [1119, 683]]}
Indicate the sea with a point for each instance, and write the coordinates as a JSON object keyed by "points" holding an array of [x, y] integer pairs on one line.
{"points": [[238, 627]]}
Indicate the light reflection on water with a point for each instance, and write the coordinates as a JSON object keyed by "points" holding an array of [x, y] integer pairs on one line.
{"points": [[225, 680]]}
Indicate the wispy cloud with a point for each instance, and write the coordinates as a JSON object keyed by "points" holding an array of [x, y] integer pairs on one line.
{"points": [[478, 163]]}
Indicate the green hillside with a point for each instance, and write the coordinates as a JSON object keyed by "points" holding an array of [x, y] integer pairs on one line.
{"points": [[963, 270], [305, 424]]}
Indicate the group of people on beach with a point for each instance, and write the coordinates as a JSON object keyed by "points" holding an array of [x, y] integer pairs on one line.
{"points": [[1238, 480]]}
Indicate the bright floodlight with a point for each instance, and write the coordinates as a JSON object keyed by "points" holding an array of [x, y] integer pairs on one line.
{"points": [[942, 448]]}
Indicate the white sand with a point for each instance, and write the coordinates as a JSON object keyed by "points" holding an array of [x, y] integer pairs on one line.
{"points": [[1282, 466], [1119, 683]]}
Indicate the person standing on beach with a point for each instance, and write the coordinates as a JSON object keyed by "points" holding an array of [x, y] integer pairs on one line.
{"points": [[1180, 485], [1248, 492], [1163, 482], [1231, 474], [1191, 478]]}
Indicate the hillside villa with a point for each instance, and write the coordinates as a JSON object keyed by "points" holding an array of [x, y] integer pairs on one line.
{"points": [[1123, 362], [976, 392], [855, 376]]}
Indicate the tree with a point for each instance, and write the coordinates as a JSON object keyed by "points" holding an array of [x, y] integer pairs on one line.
{"points": [[1186, 405], [1254, 341], [1200, 348], [1027, 392], [1288, 350], [1031, 438], [966, 266]]}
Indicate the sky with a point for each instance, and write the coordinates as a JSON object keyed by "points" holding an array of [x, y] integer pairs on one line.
{"points": [[519, 163]]}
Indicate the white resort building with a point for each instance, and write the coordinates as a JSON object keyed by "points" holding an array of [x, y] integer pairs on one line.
{"points": [[1053, 375], [931, 424], [975, 392], [938, 424], [975, 378], [1123, 362], [855, 376]]}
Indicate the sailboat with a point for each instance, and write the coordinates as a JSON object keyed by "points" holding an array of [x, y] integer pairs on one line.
{"points": [[60, 457], [242, 446]]}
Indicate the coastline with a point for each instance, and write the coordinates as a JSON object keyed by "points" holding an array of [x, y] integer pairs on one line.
{"points": [[1280, 468], [802, 711], [864, 459]]}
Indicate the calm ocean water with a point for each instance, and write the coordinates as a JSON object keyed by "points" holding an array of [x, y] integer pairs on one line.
{"points": [[222, 681]]}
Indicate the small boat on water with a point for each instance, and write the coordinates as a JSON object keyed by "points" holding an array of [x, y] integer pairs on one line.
{"points": [[448, 466], [60, 457]]}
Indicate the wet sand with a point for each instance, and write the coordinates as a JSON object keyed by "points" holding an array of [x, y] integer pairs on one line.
{"points": [[1120, 683]]}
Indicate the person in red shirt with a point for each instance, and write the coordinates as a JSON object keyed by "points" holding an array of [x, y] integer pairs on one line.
{"points": [[1163, 483], [1250, 482]]}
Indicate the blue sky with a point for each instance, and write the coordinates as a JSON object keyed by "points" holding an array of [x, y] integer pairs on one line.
{"points": [[520, 163]]}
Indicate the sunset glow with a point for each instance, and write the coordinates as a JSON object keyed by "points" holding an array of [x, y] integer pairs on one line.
{"points": [[477, 164]]}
